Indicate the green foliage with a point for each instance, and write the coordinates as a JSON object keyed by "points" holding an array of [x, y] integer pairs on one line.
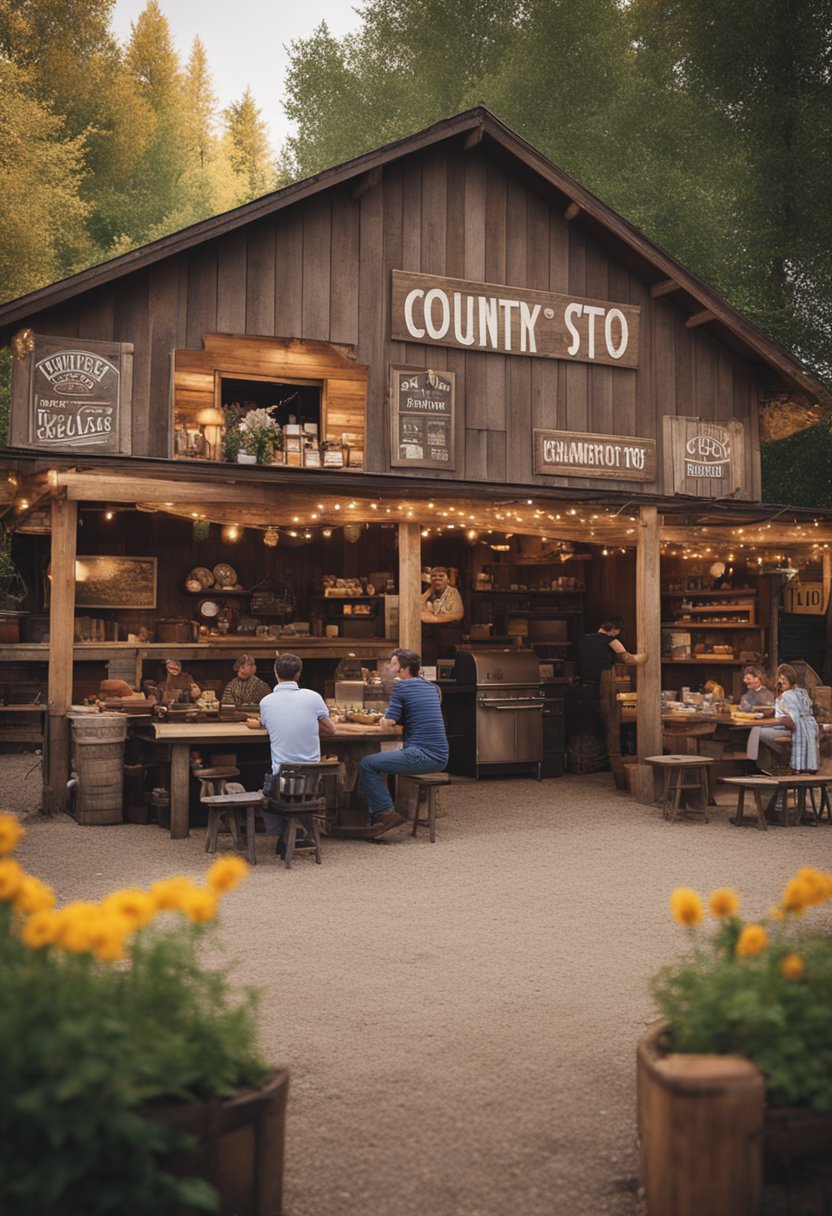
{"points": [[248, 149], [721, 1001], [798, 470], [5, 392], [89, 1044]]}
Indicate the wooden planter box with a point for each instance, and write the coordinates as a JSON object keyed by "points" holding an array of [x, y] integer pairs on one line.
{"points": [[701, 1131], [240, 1146]]}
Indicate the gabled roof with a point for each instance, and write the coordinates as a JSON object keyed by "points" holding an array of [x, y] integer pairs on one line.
{"points": [[645, 258]]}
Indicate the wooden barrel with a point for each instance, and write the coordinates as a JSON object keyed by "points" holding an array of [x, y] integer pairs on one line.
{"points": [[701, 1131], [98, 764]]}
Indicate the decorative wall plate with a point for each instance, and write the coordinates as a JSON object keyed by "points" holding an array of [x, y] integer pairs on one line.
{"points": [[209, 610], [202, 575], [225, 575]]}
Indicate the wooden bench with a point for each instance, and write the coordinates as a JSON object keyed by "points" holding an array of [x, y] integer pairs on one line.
{"points": [[801, 783], [428, 786], [675, 769]]}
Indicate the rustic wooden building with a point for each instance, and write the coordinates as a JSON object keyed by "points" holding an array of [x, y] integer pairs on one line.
{"points": [[455, 326]]}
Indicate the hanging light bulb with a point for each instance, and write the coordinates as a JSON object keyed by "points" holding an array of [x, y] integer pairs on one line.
{"points": [[351, 533], [231, 533], [326, 533], [271, 537]]}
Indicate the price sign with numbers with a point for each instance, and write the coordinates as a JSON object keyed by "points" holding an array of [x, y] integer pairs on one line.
{"points": [[422, 418]]}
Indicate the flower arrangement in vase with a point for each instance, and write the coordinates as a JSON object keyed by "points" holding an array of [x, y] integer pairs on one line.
{"points": [[262, 436], [112, 1014]]}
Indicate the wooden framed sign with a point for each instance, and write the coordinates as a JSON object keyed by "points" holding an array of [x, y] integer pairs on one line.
{"points": [[115, 582], [573, 454], [71, 394], [422, 417], [512, 320], [705, 459]]}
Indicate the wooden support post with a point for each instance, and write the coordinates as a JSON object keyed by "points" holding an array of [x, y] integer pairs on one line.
{"points": [[700, 318], [648, 633], [663, 288], [61, 638], [410, 586]]}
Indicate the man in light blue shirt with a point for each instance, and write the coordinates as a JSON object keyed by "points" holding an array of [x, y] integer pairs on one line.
{"points": [[295, 719]]}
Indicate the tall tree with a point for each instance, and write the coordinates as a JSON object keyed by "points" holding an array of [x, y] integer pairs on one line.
{"points": [[249, 151], [43, 234]]}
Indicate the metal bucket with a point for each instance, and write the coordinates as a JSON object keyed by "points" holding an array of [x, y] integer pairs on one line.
{"points": [[98, 767]]}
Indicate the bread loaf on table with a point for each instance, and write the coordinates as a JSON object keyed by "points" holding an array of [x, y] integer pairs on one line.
{"points": [[115, 688]]}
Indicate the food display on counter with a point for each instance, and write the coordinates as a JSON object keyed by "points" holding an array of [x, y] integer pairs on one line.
{"points": [[358, 714]]}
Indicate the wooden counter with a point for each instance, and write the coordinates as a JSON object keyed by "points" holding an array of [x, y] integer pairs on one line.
{"points": [[217, 648]]}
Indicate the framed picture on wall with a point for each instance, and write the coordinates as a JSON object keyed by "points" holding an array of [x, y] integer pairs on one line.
{"points": [[115, 582]]}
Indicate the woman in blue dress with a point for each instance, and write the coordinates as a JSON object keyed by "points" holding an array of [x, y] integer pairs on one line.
{"points": [[793, 715]]}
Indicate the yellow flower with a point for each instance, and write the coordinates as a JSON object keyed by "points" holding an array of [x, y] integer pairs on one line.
{"points": [[11, 876], [76, 927], [686, 907], [723, 902], [11, 833], [815, 884], [136, 905], [200, 905], [40, 929], [108, 933], [793, 967], [168, 893], [226, 873], [752, 940], [798, 895], [33, 895]]}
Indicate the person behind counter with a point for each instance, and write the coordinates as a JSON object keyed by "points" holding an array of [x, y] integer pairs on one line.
{"points": [[175, 683], [442, 613], [295, 718], [757, 694], [414, 703], [793, 715], [602, 649], [246, 688]]}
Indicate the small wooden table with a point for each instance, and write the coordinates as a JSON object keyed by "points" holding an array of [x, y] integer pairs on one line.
{"points": [[675, 769]]}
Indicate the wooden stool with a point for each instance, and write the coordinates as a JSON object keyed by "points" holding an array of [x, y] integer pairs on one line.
{"points": [[235, 811], [675, 769], [756, 785], [212, 780], [427, 785]]}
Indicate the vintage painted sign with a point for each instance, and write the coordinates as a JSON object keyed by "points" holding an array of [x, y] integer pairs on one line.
{"points": [[807, 598], [73, 395], [573, 454], [511, 320], [422, 418], [705, 459]]}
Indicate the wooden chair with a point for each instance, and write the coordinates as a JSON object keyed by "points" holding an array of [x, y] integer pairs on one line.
{"points": [[675, 769], [427, 786], [298, 801]]}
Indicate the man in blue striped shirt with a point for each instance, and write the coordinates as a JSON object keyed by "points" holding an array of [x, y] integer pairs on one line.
{"points": [[414, 704]]}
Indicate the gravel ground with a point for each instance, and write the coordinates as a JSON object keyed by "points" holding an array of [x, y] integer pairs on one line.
{"points": [[460, 1018]]}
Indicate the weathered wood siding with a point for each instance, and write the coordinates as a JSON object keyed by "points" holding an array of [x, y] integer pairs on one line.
{"points": [[321, 270]]}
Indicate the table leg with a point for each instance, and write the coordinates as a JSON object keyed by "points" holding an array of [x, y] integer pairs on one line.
{"points": [[665, 793], [180, 754], [737, 820], [761, 815]]}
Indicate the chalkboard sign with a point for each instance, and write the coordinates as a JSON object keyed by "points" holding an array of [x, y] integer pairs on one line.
{"points": [[422, 418], [71, 395]]}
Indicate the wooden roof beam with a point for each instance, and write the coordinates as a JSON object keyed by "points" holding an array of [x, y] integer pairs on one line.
{"points": [[368, 182], [664, 288], [473, 138], [571, 211], [700, 318]]}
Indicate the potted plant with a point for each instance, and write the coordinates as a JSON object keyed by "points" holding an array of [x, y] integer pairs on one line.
{"points": [[135, 1084], [262, 436], [232, 439], [742, 1059]]}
